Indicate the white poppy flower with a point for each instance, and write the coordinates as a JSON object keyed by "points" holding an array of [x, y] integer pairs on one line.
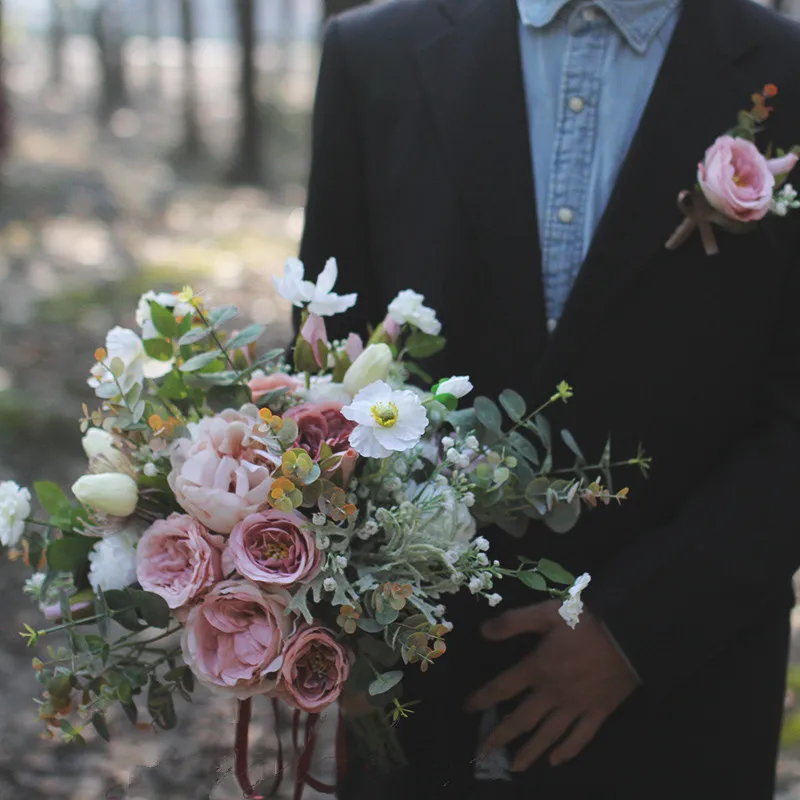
{"points": [[387, 421], [458, 387], [408, 307], [320, 296]]}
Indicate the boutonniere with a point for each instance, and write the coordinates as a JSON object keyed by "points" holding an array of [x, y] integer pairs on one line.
{"points": [[737, 184]]}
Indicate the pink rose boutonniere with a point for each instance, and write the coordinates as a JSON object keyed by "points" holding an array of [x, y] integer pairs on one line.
{"points": [[737, 184]]}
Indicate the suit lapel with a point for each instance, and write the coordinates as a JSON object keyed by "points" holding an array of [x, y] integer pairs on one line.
{"points": [[695, 99], [472, 75]]}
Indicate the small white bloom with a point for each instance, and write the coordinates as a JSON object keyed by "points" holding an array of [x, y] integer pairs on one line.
{"points": [[458, 578], [571, 610], [15, 508], [475, 584], [447, 442], [144, 314], [463, 461], [112, 492], [329, 584], [439, 611], [452, 456], [393, 484], [103, 456], [341, 562], [780, 208], [408, 307], [481, 543], [323, 542], [387, 421], [458, 387], [494, 600], [495, 563], [319, 519], [447, 625], [486, 579], [150, 469], [469, 499], [472, 443], [482, 560], [321, 298], [113, 561], [372, 365]]}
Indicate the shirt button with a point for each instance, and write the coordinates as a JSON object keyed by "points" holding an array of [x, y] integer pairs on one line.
{"points": [[576, 104], [552, 324], [590, 14], [565, 215]]}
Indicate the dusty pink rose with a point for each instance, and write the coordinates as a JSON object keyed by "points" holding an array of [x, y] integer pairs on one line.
{"points": [[315, 669], [323, 424], [315, 333], [234, 638], [223, 473], [738, 181], [178, 559], [274, 549], [269, 383]]}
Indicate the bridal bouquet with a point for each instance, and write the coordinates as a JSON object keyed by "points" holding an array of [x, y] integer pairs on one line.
{"points": [[291, 530]]}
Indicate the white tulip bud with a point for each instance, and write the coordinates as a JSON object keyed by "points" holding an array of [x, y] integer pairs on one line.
{"points": [[372, 365], [458, 386], [99, 448], [112, 493]]}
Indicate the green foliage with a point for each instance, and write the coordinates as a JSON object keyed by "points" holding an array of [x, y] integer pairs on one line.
{"points": [[424, 345], [385, 682], [69, 553]]}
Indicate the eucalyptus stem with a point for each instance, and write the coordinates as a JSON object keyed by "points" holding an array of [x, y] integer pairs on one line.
{"points": [[216, 339], [31, 521]]}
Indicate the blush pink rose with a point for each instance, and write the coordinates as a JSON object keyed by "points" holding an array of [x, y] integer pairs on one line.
{"points": [[323, 423], [391, 328], [224, 472], [178, 559], [274, 549], [234, 638], [315, 669], [316, 334], [269, 383], [354, 347], [738, 181]]}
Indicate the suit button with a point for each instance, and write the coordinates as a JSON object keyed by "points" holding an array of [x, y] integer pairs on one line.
{"points": [[552, 324], [576, 104], [566, 215]]}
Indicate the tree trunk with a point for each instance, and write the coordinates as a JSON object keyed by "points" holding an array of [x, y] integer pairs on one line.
{"points": [[58, 37], [109, 37], [248, 165], [337, 6], [192, 144]]}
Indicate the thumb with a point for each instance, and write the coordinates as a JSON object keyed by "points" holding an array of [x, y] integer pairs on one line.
{"points": [[539, 618]]}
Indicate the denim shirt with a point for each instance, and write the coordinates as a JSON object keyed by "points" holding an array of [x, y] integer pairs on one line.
{"points": [[588, 68]]}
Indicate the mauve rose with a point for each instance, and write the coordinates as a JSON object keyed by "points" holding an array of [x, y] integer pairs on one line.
{"points": [[315, 669], [223, 473], [323, 423], [178, 559], [738, 181], [234, 637], [274, 549], [265, 384]]}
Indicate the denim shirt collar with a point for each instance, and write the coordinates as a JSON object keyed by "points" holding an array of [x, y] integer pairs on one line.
{"points": [[639, 21]]}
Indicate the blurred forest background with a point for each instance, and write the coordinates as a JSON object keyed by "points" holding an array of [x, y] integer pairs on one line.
{"points": [[144, 144]]}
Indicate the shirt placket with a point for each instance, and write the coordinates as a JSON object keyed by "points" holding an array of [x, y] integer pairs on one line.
{"points": [[564, 244]]}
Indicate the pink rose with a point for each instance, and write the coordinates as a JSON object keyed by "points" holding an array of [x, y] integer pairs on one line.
{"points": [[269, 383], [233, 638], [224, 472], [315, 669], [178, 559], [274, 549], [738, 181], [323, 423]]}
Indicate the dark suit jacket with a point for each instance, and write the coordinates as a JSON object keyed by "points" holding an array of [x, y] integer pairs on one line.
{"points": [[422, 179]]}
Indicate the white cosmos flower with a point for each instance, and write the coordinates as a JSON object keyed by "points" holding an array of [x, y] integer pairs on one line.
{"points": [[112, 563], [144, 315], [408, 307], [458, 387], [320, 296], [386, 420], [126, 345], [15, 508], [572, 608]]}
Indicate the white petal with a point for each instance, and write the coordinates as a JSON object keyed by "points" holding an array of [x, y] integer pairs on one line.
{"points": [[363, 441], [327, 278], [360, 413], [154, 369]]}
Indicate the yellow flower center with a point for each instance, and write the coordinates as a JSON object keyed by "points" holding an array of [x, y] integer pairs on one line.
{"points": [[276, 551], [319, 661], [385, 414]]}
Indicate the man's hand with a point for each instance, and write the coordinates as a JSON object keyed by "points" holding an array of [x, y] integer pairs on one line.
{"points": [[576, 680]]}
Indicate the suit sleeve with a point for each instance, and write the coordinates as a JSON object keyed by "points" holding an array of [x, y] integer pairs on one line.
{"points": [[336, 224], [680, 594]]}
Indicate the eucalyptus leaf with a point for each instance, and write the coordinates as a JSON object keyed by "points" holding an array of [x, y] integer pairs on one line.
{"points": [[370, 625], [569, 441], [523, 447], [194, 336], [99, 723], [219, 316], [564, 516], [152, 608], [385, 682], [379, 652], [221, 397], [199, 361], [514, 404], [488, 414], [249, 335]]}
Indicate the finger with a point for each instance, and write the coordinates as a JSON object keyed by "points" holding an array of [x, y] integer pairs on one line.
{"points": [[506, 685], [530, 619], [584, 732], [527, 716], [551, 730]]}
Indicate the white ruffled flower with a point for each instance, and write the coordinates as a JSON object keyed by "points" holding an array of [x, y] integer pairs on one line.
{"points": [[144, 314], [320, 296], [386, 420], [472, 443], [494, 600], [572, 608], [15, 508], [408, 307], [475, 584], [125, 345], [323, 542], [457, 386], [482, 560], [481, 544], [329, 584], [113, 561]]}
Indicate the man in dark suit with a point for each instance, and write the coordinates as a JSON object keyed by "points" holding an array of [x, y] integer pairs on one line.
{"points": [[519, 164]]}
